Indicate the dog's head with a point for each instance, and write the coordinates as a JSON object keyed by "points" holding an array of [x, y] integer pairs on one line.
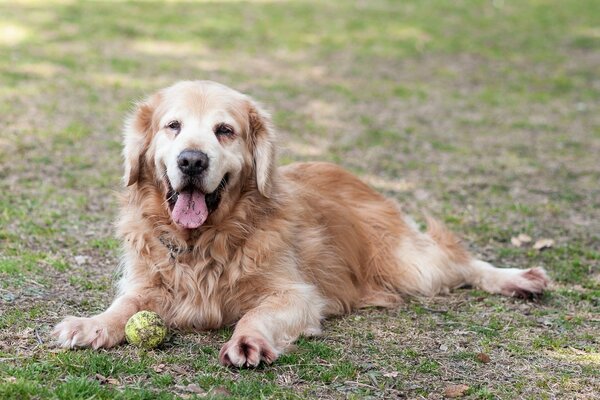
{"points": [[195, 141]]}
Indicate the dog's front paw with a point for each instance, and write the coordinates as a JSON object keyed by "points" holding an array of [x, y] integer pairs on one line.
{"points": [[87, 332], [247, 351]]}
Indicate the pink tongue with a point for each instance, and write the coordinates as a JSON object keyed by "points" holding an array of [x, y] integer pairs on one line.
{"points": [[190, 210]]}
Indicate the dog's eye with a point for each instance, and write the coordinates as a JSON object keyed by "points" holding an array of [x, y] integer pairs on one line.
{"points": [[174, 125], [223, 130]]}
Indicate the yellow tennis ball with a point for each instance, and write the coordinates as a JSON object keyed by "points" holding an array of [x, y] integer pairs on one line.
{"points": [[145, 329]]}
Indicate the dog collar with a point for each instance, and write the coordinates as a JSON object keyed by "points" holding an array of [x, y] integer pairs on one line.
{"points": [[174, 249]]}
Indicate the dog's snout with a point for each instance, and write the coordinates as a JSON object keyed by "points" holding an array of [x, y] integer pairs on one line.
{"points": [[192, 162]]}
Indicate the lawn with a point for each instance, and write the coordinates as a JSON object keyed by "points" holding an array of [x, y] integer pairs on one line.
{"points": [[485, 114]]}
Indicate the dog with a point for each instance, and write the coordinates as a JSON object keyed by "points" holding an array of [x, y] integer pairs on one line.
{"points": [[215, 234]]}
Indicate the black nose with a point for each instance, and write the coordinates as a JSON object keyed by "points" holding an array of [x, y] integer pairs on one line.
{"points": [[192, 162]]}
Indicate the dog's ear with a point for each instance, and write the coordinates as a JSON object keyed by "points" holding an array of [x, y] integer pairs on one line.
{"points": [[138, 132], [262, 137]]}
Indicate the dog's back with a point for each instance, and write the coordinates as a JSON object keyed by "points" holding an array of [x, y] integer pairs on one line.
{"points": [[377, 253]]}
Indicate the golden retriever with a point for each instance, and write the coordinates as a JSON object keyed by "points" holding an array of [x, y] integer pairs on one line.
{"points": [[215, 234]]}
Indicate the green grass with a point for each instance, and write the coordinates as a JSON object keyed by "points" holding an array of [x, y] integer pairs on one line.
{"points": [[482, 113]]}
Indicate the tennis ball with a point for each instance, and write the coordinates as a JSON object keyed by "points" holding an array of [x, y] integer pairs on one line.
{"points": [[145, 329]]}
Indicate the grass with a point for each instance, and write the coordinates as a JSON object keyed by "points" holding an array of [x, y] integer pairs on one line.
{"points": [[481, 112]]}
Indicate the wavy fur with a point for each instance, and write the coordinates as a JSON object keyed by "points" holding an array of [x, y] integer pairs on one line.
{"points": [[286, 247]]}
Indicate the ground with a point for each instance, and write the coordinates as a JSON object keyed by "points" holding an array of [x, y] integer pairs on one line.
{"points": [[482, 113]]}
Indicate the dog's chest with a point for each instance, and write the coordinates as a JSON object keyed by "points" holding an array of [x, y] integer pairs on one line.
{"points": [[199, 291]]}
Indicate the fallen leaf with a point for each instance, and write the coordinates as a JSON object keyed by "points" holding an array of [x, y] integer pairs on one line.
{"points": [[192, 388], [524, 238], [100, 378], [179, 370], [158, 368], [545, 321], [543, 244], [368, 366], [79, 260], [515, 241], [483, 358], [455, 390], [26, 333], [103, 380], [443, 347], [220, 391], [577, 351]]}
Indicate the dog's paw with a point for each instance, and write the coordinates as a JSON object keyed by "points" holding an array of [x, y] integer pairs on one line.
{"points": [[526, 284], [247, 351], [86, 332]]}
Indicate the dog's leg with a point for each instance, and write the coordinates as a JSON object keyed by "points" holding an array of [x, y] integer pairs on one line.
{"points": [[264, 332], [435, 262], [507, 281], [103, 330]]}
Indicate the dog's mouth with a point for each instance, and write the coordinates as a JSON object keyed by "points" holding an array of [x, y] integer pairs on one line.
{"points": [[191, 206]]}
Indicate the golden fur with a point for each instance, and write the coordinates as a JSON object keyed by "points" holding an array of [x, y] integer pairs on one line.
{"points": [[285, 248]]}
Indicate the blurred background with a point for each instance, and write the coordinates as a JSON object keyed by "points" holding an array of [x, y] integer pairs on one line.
{"points": [[484, 113]]}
